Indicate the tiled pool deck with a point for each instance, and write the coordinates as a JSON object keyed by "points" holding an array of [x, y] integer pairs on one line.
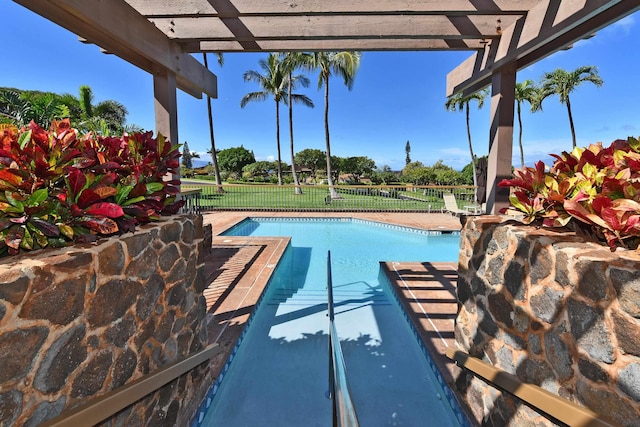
{"points": [[239, 268]]}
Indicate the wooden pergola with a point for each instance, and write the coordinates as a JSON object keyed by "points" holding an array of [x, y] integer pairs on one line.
{"points": [[159, 36]]}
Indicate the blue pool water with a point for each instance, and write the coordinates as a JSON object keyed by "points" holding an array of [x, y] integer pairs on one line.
{"points": [[278, 376]]}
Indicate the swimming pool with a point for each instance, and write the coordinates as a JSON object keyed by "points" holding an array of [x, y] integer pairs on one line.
{"points": [[278, 376]]}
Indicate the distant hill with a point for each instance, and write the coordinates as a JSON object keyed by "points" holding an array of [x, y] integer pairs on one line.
{"points": [[199, 163]]}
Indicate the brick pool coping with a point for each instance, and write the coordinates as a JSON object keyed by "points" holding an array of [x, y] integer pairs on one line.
{"points": [[239, 268]]}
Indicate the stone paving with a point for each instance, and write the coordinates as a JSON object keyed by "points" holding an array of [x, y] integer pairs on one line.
{"points": [[240, 267]]}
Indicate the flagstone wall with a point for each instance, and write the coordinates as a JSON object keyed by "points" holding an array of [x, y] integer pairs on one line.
{"points": [[78, 322], [552, 310]]}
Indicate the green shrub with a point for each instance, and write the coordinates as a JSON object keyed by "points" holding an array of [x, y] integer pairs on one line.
{"points": [[58, 187], [599, 187]]}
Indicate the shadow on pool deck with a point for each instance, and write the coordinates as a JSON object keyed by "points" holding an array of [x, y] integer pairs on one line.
{"points": [[240, 267]]}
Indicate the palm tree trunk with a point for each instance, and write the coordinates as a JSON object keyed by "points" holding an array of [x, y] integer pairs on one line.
{"points": [[298, 189], [332, 190], [278, 142], [473, 157], [520, 136], [214, 154], [573, 130]]}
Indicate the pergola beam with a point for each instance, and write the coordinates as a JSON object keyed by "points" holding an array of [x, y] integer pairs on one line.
{"points": [[238, 8], [400, 44], [548, 27], [375, 27], [117, 28]]}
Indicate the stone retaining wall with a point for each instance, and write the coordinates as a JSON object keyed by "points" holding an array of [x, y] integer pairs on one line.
{"points": [[554, 311], [81, 321]]}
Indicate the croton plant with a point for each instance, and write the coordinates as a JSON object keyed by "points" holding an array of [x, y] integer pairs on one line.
{"points": [[59, 187], [594, 190]]}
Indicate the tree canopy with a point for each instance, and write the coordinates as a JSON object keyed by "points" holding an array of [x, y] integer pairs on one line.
{"points": [[311, 158], [358, 166], [234, 159]]}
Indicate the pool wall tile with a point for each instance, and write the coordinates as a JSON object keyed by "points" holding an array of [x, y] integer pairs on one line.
{"points": [[453, 402]]}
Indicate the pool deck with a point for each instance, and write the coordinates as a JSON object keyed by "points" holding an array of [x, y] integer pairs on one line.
{"points": [[238, 269]]}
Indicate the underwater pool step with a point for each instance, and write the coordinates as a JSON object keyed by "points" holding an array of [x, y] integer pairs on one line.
{"points": [[317, 298]]}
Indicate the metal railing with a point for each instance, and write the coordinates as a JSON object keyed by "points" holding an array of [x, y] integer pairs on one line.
{"points": [[344, 413], [109, 404], [560, 409], [191, 199], [372, 198]]}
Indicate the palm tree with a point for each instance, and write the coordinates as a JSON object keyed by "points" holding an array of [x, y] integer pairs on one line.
{"points": [[20, 108], [526, 91], [213, 151], [105, 117], [290, 62], [344, 64], [460, 102], [561, 82], [272, 83]]}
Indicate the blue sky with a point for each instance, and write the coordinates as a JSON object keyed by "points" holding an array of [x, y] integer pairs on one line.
{"points": [[397, 97]]}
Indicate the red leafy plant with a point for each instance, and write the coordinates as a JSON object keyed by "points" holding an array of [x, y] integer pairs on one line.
{"points": [[58, 187], [594, 190]]}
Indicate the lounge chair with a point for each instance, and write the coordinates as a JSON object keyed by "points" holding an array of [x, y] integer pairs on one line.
{"points": [[451, 205]]}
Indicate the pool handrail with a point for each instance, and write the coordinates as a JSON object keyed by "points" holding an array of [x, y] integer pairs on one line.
{"points": [[556, 407], [101, 408], [344, 413]]}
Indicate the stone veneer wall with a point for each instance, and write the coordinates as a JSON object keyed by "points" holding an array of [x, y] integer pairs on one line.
{"points": [[81, 321], [554, 311]]}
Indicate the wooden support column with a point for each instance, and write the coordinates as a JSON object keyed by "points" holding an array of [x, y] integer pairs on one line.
{"points": [[503, 83], [166, 106]]}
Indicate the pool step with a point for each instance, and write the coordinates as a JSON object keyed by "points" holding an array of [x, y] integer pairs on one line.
{"points": [[317, 297]]}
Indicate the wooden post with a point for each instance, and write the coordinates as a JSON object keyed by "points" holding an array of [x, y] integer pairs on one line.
{"points": [[166, 106], [503, 84]]}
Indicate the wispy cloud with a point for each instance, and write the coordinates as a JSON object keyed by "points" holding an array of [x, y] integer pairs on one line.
{"points": [[603, 129], [625, 25], [540, 150], [454, 152]]}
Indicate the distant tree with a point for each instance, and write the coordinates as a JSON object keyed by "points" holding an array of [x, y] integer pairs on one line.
{"points": [[188, 156], [387, 175], [460, 102], [234, 159], [526, 91], [416, 173], [311, 158], [272, 82], [290, 62], [467, 174], [344, 64], [376, 177], [213, 151], [561, 82], [337, 167], [445, 175], [262, 168], [407, 149], [358, 166]]}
